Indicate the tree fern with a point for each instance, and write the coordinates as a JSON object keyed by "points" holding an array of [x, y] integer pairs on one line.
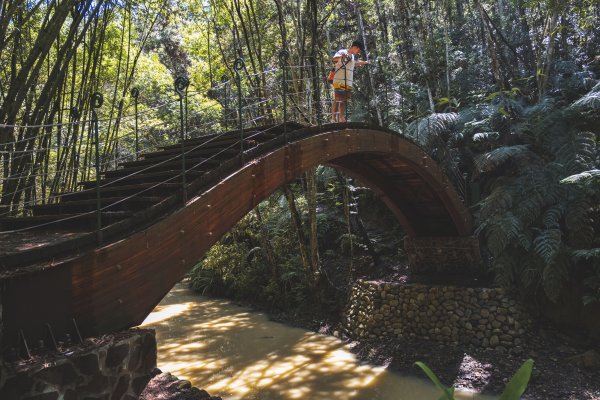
{"points": [[540, 185], [504, 270], [498, 201], [586, 254], [577, 151], [525, 240], [502, 232], [427, 129], [530, 271], [547, 244], [555, 275], [583, 179], [486, 137], [495, 158], [540, 109], [552, 217], [589, 102], [577, 221]]}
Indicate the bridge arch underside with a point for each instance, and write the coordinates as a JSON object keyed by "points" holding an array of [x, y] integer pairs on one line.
{"points": [[418, 206], [118, 285]]}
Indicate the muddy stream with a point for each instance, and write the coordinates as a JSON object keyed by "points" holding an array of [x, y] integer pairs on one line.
{"points": [[236, 353]]}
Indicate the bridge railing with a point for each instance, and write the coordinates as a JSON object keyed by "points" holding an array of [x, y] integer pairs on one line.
{"points": [[48, 160]]}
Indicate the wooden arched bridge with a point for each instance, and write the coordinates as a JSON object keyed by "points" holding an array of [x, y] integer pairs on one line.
{"points": [[59, 275]]}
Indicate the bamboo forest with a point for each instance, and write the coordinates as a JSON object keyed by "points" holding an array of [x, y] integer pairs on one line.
{"points": [[285, 199]]}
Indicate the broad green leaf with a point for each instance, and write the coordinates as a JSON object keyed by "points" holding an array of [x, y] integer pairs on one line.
{"points": [[518, 383], [448, 392]]}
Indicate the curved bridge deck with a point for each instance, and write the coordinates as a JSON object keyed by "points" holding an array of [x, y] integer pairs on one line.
{"points": [[56, 272]]}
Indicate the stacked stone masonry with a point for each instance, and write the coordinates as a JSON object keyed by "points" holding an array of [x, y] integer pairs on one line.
{"points": [[484, 317], [113, 367]]}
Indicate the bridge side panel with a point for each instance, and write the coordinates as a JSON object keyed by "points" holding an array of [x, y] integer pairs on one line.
{"points": [[116, 286], [30, 302]]}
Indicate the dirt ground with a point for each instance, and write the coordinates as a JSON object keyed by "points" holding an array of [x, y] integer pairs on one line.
{"points": [[562, 370]]}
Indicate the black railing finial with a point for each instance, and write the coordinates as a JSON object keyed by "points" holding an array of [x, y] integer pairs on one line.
{"points": [[96, 101], [284, 56], [181, 85]]}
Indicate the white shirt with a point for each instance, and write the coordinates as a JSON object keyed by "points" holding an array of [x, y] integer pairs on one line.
{"points": [[344, 70]]}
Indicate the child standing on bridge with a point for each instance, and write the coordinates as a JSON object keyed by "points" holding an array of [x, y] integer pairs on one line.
{"points": [[345, 62]]}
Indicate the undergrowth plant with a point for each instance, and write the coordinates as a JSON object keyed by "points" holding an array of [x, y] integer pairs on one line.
{"points": [[539, 229], [513, 391]]}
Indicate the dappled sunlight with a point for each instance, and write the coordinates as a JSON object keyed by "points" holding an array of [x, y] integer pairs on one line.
{"points": [[164, 313], [236, 353]]}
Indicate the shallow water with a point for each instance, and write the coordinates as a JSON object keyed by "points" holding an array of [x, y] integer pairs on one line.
{"points": [[236, 353]]}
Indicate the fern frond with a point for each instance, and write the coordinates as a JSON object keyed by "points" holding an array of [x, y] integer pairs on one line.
{"points": [[584, 178], [531, 271], [577, 151], [578, 223], [489, 161], [589, 102], [543, 107], [495, 203], [547, 244], [433, 126], [552, 217], [486, 137], [542, 181], [501, 233], [554, 276], [504, 270], [525, 241], [530, 208], [586, 254]]}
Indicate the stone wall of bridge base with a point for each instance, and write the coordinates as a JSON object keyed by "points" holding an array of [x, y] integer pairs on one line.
{"points": [[484, 317], [456, 255], [110, 367]]}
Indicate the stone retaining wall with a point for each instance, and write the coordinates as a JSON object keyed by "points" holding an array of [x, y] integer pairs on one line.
{"points": [[480, 316], [112, 367]]}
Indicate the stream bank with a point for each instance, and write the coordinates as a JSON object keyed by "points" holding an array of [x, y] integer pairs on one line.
{"points": [[234, 352]]}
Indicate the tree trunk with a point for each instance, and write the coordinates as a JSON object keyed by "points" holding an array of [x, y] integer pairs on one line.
{"points": [[545, 61], [297, 221], [311, 195], [266, 245], [372, 92]]}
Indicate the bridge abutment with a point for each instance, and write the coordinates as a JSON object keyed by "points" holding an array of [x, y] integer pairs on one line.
{"points": [[453, 255], [482, 317], [116, 366]]}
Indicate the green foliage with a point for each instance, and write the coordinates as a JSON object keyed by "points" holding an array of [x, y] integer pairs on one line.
{"points": [[489, 161], [219, 268], [518, 383], [514, 389], [427, 129], [536, 219], [448, 393]]}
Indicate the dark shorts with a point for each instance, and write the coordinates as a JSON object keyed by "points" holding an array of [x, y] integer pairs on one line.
{"points": [[341, 94]]}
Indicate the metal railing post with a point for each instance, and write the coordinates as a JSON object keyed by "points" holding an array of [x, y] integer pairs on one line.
{"points": [[238, 65], [226, 93], [135, 93], [181, 85], [96, 102], [284, 56]]}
